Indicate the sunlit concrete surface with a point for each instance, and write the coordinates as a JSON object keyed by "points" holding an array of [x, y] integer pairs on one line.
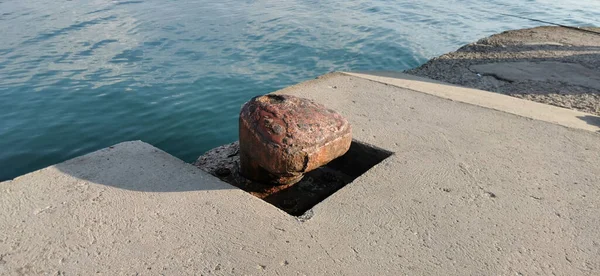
{"points": [[472, 189]]}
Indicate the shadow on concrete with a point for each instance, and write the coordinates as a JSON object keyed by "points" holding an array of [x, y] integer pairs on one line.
{"points": [[591, 120], [138, 166]]}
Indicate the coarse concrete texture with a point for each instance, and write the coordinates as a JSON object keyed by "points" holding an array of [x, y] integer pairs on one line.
{"points": [[544, 71], [553, 65], [469, 191], [133, 209]]}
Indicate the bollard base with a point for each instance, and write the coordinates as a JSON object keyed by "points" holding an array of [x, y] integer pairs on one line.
{"points": [[297, 197], [250, 169]]}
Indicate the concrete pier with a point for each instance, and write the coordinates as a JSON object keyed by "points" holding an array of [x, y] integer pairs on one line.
{"points": [[479, 184], [548, 64]]}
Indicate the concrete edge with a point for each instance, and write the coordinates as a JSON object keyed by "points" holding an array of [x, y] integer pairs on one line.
{"points": [[529, 109], [143, 147]]}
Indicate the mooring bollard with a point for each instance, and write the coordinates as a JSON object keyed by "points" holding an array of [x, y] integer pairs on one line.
{"points": [[282, 137]]}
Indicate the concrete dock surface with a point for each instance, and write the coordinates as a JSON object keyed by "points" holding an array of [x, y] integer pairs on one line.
{"points": [[479, 184]]}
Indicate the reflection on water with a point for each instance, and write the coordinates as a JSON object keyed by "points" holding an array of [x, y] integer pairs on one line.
{"points": [[78, 77]]}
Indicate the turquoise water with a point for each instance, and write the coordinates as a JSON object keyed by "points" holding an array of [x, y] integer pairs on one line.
{"points": [[79, 76]]}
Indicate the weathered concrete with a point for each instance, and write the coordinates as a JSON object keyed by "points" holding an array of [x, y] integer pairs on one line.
{"points": [[551, 65], [133, 209], [469, 191], [543, 71]]}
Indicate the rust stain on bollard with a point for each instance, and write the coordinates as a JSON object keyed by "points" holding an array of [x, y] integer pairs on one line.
{"points": [[282, 137]]}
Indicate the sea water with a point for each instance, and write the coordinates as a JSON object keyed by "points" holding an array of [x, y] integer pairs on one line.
{"points": [[77, 76]]}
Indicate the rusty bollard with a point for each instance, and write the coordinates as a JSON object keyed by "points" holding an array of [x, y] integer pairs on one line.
{"points": [[282, 137]]}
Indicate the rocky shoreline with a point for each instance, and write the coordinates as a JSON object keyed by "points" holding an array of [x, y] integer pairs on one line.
{"points": [[552, 65]]}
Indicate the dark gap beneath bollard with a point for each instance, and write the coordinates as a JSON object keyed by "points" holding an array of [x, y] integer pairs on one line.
{"points": [[295, 199]]}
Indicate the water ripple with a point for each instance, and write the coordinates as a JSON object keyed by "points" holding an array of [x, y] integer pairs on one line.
{"points": [[67, 30]]}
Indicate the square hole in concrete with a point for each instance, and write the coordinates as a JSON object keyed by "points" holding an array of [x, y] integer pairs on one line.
{"points": [[295, 199]]}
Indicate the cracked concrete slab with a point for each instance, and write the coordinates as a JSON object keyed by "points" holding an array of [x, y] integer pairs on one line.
{"points": [[543, 71], [552, 65], [468, 191]]}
